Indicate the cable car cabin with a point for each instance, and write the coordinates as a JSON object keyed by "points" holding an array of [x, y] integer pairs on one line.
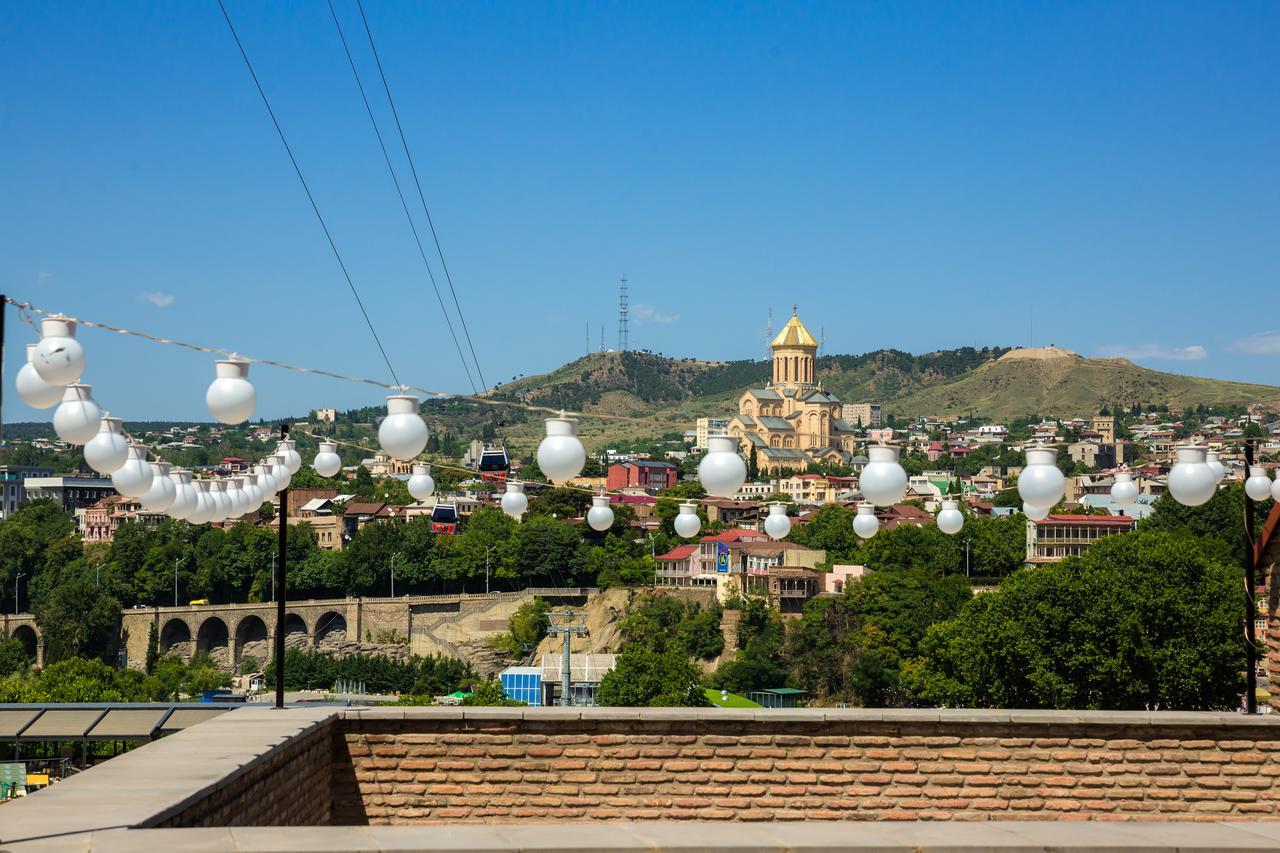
{"points": [[444, 518], [494, 464]]}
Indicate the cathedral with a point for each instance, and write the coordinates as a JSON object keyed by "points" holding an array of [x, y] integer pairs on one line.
{"points": [[792, 423]]}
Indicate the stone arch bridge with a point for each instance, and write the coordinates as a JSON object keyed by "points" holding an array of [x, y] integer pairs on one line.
{"points": [[427, 623]]}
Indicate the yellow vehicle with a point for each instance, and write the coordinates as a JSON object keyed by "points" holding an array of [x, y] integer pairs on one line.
{"points": [[199, 601]]}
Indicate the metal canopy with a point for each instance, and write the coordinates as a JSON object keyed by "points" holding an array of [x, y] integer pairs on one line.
{"points": [[100, 721], [183, 718], [63, 724], [14, 720], [129, 723]]}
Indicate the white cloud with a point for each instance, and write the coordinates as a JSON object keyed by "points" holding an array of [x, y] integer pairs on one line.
{"points": [[647, 313], [43, 277], [1259, 343], [1144, 352], [158, 298]]}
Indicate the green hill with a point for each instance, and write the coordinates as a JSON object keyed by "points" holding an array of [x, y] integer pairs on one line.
{"points": [[996, 382]]}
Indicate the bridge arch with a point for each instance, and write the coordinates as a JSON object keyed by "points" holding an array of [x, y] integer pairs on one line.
{"points": [[174, 632], [332, 625], [295, 630], [214, 640], [252, 631], [30, 640]]}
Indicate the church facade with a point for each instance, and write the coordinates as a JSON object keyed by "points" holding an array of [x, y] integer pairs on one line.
{"points": [[792, 423]]}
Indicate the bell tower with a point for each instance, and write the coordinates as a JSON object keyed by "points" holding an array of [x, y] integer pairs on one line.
{"points": [[795, 353]]}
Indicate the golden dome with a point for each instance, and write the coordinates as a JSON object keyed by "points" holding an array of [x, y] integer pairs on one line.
{"points": [[794, 334]]}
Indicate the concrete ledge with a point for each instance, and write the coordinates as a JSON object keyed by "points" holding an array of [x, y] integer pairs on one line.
{"points": [[906, 837], [159, 780]]}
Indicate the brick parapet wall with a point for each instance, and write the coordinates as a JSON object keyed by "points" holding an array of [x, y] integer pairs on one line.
{"points": [[288, 786], [506, 765]]}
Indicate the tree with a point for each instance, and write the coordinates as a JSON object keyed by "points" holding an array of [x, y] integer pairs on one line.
{"points": [[1218, 523], [909, 547], [488, 693], [831, 530], [527, 626], [13, 657], [153, 648], [1140, 620], [643, 676], [79, 619]]}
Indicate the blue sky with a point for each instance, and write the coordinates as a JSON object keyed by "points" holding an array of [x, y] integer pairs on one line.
{"points": [[915, 176]]}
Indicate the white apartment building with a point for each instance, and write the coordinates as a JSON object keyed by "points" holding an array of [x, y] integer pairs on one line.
{"points": [[708, 427], [862, 414]]}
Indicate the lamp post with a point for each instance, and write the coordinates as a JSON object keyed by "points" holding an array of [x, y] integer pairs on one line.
{"points": [[394, 557], [278, 579], [20, 576], [176, 560], [487, 552]]}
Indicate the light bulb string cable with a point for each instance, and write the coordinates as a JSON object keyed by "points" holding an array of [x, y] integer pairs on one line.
{"points": [[26, 309]]}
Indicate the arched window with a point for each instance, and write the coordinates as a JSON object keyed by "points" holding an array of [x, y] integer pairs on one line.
{"points": [[773, 441], [787, 442]]}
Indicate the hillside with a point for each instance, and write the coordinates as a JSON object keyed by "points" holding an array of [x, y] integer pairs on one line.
{"points": [[996, 382]]}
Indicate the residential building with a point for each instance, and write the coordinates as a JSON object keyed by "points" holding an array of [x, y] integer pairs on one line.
{"points": [[840, 576], [357, 514], [13, 490], [326, 519], [708, 427], [646, 474], [382, 465], [300, 498], [1092, 453], [733, 512], [862, 414], [808, 488], [70, 492], [99, 522], [755, 490], [792, 422], [1057, 537], [326, 416]]}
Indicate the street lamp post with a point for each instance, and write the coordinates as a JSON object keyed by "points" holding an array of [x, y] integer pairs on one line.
{"points": [[20, 576], [394, 557], [487, 552], [175, 580]]}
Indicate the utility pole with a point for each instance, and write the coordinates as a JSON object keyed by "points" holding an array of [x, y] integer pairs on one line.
{"points": [[1251, 602], [282, 538], [565, 632]]}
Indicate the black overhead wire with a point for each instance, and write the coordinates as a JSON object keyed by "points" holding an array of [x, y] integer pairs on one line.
{"points": [[307, 190], [421, 197], [403, 204]]}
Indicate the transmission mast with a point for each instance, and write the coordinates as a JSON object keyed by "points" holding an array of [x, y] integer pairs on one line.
{"points": [[622, 315], [566, 632]]}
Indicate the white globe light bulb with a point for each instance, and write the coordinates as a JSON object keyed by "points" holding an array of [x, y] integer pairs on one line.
{"points": [[33, 390], [184, 496], [59, 357], [76, 418], [1035, 513], [883, 481], [402, 433], [133, 478], [1124, 491], [162, 493], [1258, 486], [776, 523], [327, 461], [240, 497], [107, 450], [279, 472], [561, 455], [1191, 481], [204, 504], [266, 482], [600, 516], [687, 523], [950, 519], [1211, 459], [1041, 483], [231, 397], [221, 500], [722, 471], [292, 458], [865, 523], [420, 484], [1275, 489], [252, 493], [514, 501]]}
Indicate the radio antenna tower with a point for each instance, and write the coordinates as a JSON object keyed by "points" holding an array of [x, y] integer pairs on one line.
{"points": [[622, 314], [602, 337], [768, 337]]}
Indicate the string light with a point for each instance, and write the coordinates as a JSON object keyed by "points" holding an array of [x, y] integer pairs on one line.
{"points": [[59, 357], [722, 471], [687, 523], [133, 478], [231, 397], [600, 516], [420, 484], [950, 519], [514, 500], [561, 455], [107, 450], [402, 433], [776, 523], [33, 390], [1191, 480], [883, 481], [327, 462], [865, 523], [1041, 484], [76, 418]]}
